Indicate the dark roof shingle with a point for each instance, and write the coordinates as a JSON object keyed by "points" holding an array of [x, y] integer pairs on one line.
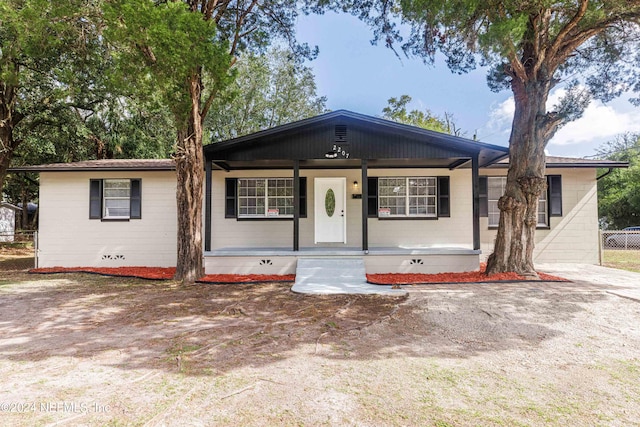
{"points": [[102, 165]]}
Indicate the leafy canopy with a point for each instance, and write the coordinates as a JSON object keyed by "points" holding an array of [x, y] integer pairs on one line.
{"points": [[269, 90], [159, 46], [396, 110]]}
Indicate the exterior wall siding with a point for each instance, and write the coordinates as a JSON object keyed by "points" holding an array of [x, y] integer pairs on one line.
{"points": [[573, 237], [454, 231], [68, 238]]}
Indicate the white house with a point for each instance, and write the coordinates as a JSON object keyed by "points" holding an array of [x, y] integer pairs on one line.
{"points": [[340, 184]]}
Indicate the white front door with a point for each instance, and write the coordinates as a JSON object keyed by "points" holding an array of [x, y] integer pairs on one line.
{"points": [[330, 212]]}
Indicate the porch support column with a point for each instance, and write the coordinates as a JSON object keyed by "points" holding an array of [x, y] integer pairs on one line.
{"points": [[365, 205], [207, 205], [475, 184], [296, 205]]}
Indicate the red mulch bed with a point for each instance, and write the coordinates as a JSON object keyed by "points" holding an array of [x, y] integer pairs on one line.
{"points": [[151, 273], [466, 277], [166, 273]]}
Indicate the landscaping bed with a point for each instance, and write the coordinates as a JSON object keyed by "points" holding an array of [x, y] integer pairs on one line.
{"points": [[445, 278], [167, 273]]}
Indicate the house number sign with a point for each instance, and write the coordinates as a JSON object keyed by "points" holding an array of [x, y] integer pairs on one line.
{"points": [[338, 151]]}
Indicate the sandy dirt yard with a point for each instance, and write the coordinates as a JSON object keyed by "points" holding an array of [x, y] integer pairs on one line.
{"points": [[79, 349]]}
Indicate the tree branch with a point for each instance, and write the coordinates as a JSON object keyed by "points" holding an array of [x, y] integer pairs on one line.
{"points": [[571, 25]]}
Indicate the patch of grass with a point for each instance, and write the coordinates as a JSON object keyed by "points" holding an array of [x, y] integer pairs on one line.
{"points": [[622, 259]]}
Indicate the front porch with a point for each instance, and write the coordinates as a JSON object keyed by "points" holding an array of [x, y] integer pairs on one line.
{"points": [[245, 260]]}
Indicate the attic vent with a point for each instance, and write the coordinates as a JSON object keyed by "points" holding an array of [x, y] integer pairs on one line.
{"points": [[341, 133]]}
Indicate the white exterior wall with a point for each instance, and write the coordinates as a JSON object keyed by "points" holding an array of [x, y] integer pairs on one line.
{"points": [[68, 238], [573, 237], [456, 231]]}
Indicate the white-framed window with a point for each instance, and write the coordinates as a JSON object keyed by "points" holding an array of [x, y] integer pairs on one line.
{"points": [[407, 197], [116, 195], [495, 189], [265, 197]]}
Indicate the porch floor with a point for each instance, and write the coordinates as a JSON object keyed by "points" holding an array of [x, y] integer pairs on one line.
{"points": [[323, 276], [341, 251]]}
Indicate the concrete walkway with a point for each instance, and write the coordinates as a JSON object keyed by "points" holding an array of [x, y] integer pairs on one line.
{"points": [[323, 276], [617, 282]]}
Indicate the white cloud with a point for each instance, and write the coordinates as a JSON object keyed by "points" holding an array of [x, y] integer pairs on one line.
{"points": [[599, 122], [501, 115]]}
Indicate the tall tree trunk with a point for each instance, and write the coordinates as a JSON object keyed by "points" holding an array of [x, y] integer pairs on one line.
{"points": [[190, 177], [515, 241], [7, 145], [7, 123]]}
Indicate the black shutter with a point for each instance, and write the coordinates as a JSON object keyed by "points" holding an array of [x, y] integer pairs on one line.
{"points": [[95, 199], [372, 197], [484, 196], [230, 198], [554, 194], [135, 199], [444, 209], [303, 197]]}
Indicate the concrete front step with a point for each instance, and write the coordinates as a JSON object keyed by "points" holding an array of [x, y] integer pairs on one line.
{"points": [[336, 276]]}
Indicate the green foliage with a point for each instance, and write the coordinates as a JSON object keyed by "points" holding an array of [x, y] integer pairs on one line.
{"points": [[396, 110], [601, 50], [47, 56], [619, 192], [159, 46], [269, 90]]}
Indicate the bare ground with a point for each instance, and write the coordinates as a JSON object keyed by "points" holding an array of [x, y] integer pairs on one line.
{"points": [[79, 349]]}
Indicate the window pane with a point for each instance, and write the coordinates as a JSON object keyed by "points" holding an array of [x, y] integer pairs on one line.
{"points": [[116, 198], [542, 211], [422, 200], [496, 186], [116, 208], [250, 197]]}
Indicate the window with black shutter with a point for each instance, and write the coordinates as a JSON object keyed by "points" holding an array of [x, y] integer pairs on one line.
{"points": [[444, 209], [115, 199], [554, 190], [372, 197], [256, 202]]}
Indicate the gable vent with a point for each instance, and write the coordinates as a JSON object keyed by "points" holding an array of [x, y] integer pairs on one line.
{"points": [[341, 133]]}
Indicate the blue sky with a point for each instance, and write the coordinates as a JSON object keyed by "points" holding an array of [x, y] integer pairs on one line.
{"points": [[355, 75]]}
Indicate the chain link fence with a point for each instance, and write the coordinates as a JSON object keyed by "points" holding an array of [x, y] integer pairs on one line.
{"points": [[620, 239], [17, 236]]}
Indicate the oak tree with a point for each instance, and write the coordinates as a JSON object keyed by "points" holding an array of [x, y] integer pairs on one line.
{"points": [[269, 89], [45, 49], [177, 47], [590, 47], [396, 110]]}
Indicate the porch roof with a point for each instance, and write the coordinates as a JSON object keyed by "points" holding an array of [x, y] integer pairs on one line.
{"points": [[340, 139]]}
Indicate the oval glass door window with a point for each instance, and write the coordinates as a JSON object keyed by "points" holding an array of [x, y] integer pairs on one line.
{"points": [[330, 202]]}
